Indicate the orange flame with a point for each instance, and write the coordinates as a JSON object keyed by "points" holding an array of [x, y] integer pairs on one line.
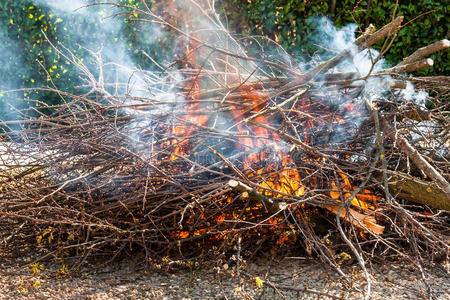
{"points": [[361, 200]]}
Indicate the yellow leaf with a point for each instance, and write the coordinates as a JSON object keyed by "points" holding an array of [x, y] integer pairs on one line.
{"points": [[22, 289], [36, 268], [429, 190], [259, 282], [37, 283], [50, 238]]}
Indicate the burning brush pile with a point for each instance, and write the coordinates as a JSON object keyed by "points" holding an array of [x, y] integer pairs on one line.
{"points": [[230, 148]]}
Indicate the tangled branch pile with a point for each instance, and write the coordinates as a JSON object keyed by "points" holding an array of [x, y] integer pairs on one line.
{"points": [[222, 148]]}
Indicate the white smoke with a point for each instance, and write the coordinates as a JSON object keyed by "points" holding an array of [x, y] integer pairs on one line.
{"points": [[105, 46], [410, 94], [337, 40], [9, 63], [71, 6]]}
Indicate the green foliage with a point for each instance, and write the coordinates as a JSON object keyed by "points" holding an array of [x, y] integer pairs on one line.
{"points": [[289, 23]]}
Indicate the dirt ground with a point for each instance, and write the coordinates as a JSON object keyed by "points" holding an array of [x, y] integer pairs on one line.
{"points": [[259, 280]]}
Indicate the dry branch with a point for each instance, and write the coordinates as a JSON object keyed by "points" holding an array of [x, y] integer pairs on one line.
{"points": [[366, 40], [273, 205], [416, 157], [385, 31]]}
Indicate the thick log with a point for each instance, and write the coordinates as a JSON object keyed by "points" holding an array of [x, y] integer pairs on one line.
{"points": [[409, 68], [425, 52], [413, 189]]}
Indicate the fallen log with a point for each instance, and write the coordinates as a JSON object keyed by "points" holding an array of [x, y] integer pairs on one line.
{"points": [[413, 189]]}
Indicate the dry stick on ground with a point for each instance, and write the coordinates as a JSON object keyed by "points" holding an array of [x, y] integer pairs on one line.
{"points": [[304, 289]]}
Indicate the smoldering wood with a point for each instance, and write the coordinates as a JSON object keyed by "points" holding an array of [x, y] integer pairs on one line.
{"points": [[273, 205], [357, 219]]}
